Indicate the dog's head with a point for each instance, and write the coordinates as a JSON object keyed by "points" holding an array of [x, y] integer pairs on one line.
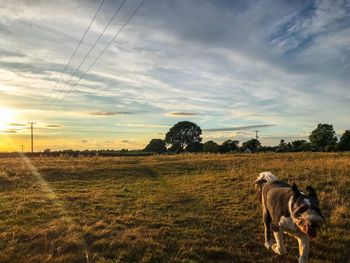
{"points": [[305, 211]]}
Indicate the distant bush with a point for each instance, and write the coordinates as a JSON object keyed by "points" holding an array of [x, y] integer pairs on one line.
{"points": [[211, 147], [156, 146], [252, 145], [194, 147], [344, 142], [229, 146]]}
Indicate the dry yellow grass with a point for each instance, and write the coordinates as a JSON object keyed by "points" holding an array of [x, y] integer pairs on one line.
{"points": [[184, 208]]}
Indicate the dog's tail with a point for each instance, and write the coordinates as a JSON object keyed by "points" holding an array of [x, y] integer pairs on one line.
{"points": [[263, 178]]}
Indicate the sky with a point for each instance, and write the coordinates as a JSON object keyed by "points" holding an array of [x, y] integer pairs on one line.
{"points": [[280, 67]]}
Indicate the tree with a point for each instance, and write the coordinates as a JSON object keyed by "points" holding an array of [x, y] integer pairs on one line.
{"points": [[284, 147], [252, 145], [299, 145], [156, 146], [307, 147], [344, 142], [322, 136], [175, 148], [229, 146], [194, 147], [211, 147], [183, 133]]}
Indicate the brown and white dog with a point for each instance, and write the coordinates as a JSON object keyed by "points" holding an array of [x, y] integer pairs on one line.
{"points": [[288, 210]]}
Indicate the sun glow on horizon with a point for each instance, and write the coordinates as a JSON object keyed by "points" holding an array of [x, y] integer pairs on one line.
{"points": [[6, 117]]}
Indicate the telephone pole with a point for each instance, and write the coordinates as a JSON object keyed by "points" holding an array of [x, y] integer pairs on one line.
{"points": [[256, 135], [22, 146], [31, 133]]}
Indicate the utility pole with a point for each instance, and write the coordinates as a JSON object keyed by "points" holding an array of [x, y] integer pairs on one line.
{"points": [[256, 135], [22, 146], [31, 133]]}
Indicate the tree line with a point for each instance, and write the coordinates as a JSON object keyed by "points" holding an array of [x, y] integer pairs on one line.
{"points": [[185, 136]]}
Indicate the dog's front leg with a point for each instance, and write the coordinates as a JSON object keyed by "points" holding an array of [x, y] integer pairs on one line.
{"points": [[304, 246], [279, 247]]}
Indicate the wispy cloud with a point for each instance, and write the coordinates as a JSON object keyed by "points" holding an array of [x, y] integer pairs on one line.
{"points": [[142, 125], [10, 131], [17, 124], [240, 128], [110, 113], [316, 18], [181, 114]]}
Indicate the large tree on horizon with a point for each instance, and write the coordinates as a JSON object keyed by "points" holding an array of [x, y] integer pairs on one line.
{"points": [[183, 134], [322, 136]]}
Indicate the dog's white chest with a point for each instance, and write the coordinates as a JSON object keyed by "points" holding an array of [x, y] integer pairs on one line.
{"points": [[286, 224]]}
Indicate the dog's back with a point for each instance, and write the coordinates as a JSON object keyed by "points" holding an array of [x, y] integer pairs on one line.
{"points": [[262, 179]]}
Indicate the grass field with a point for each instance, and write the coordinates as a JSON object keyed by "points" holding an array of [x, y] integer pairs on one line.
{"points": [[184, 208]]}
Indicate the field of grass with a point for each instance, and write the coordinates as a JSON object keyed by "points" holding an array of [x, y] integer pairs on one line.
{"points": [[184, 208]]}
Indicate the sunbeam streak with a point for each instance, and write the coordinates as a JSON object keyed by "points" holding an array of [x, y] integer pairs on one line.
{"points": [[52, 196]]}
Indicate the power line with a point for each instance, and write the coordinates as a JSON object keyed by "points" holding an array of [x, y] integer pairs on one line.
{"points": [[75, 51], [97, 58], [86, 56], [102, 52], [79, 44]]}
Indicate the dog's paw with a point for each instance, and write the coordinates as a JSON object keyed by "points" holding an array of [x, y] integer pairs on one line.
{"points": [[275, 248], [268, 245], [303, 260]]}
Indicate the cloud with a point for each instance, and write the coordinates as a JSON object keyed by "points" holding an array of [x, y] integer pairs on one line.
{"points": [[318, 17], [238, 128], [9, 53], [110, 113], [263, 115], [53, 126], [11, 131], [17, 124], [181, 114], [142, 125]]}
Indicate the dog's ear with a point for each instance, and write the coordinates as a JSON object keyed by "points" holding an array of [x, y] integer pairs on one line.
{"points": [[295, 189], [311, 191], [312, 194]]}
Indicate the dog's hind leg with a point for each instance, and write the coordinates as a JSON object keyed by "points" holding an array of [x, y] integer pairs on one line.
{"points": [[279, 247], [267, 228]]}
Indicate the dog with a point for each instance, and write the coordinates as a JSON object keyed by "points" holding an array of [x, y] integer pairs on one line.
{"points": [[286, 209]]}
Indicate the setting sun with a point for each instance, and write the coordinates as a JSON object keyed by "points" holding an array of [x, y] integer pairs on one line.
{"points": [[6, 116]]}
